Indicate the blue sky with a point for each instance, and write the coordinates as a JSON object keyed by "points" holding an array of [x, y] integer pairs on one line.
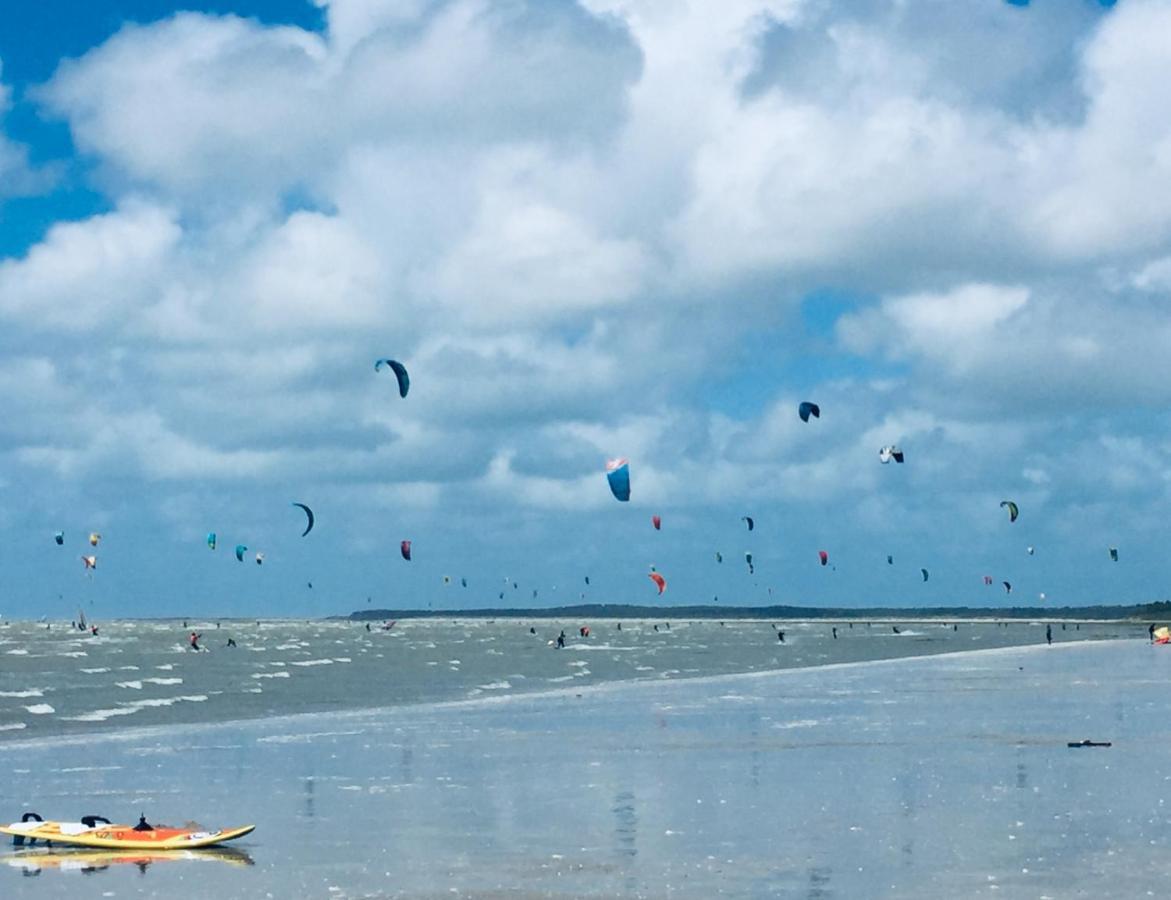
{"points": [[596, 229]]}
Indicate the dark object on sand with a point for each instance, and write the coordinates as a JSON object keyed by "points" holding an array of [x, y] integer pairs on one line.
{"points": [[1089, 743]]}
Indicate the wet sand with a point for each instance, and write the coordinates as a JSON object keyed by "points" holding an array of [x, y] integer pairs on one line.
{"points": [[927, 777]]}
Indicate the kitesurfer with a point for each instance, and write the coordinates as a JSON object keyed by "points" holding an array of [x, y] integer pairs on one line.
{"points": [[194, 640], [561, 640], [231, 642], [895, 629], [93, 629], [835, 632], [532, 629], [1151, 632], [143, 824], [1049, 634], [781, 636], [367, 626]]}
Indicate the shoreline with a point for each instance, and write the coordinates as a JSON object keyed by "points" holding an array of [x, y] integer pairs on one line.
{"points": [[131, 733]]}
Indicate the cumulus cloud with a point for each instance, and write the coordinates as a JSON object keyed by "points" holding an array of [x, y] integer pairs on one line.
{"points": [[569, 218]]}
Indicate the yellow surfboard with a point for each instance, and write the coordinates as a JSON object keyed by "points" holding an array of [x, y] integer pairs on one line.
{"points": [[106, 836]]}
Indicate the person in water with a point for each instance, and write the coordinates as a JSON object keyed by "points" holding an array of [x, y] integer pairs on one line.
{"points": [[231, 642], [835, 632], [1049, 634], [1151, 632], [194, 639], [781, 636], [93, 629], [561, 640]]}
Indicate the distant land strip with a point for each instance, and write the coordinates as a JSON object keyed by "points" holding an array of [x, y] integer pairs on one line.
{"points": [[1146, 612]]}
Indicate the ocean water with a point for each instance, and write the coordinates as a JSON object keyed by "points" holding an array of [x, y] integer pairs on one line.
{"points": [[943, 776], [57, 681]]}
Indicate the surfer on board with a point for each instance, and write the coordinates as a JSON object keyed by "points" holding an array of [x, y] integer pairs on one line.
{"points": [[194, 639]]}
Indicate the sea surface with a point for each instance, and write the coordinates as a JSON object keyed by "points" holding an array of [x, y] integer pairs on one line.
{"points": [[56, 681], [945, 775]]}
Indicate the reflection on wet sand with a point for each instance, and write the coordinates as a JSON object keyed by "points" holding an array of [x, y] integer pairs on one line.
{"points": [[87, 862]]}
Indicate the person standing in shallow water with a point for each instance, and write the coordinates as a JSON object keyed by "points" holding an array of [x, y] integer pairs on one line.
{"points": [[1049, 634]]}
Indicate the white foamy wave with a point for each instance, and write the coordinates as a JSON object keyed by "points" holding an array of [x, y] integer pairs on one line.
{"points": [[313, 662], [271, 675], [40, 709], [162, 681], [133, 685], [18, 652], [129, 709], [97, 671], [13, 726], [797, 723], [74, 653], [31, 692], [165, 667], [496, 686]]}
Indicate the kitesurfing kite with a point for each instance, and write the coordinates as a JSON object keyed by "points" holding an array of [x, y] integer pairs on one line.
{"points": [[890, 560], [807, 409], [240, 551], [91, 562], [94, 538], [719, 557], [259, 559], [309, 513], [926, 574], [747, 520], [823, 556], [1030, 550], [618, 474], [886, 454], [987, 579], [1007, 587], [1114, 554], [211, 540], [59, 537], [748, 559], [657, 522], [659, 580], [1013, 510], [400, 372], [405, 550]]}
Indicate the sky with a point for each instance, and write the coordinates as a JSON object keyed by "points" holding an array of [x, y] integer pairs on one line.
{"points": [[595, 229]]}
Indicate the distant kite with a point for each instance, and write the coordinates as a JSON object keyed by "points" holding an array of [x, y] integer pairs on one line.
{"points": [[658, 580], [1114, 554], [309, 514], [886, 454], [240, 551], [211, 540], [823, 556], [405, 550], [807, 409], [59, 537], [400, 372], [1013, 510], [618, 474], [657, 522], [747, 520]]}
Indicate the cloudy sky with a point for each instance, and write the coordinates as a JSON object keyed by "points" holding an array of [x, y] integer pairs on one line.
{"points": [[640, 228]]}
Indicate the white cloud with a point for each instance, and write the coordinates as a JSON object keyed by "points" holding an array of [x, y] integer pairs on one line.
{"points": [[90, 275]]}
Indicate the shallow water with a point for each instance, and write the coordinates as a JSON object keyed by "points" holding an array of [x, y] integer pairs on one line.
{"points": [[142, 673], [913, 778]]}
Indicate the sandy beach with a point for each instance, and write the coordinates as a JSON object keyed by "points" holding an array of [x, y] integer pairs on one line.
{"points": [[929, 777]]}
